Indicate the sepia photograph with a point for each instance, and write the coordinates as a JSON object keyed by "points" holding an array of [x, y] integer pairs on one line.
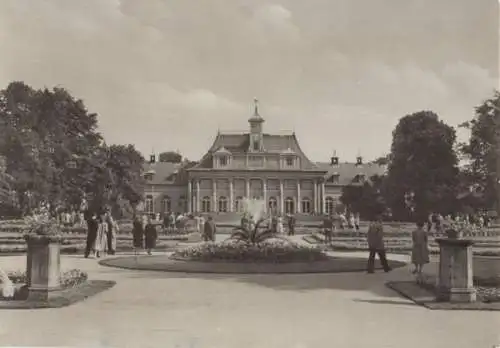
{"points": [[250, 173]]}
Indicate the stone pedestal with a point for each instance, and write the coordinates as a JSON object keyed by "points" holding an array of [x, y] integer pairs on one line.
{"points": [[43, 268], [455, 271]]}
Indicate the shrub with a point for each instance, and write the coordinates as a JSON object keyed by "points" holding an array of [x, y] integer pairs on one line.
{"points": [[69, 278]]}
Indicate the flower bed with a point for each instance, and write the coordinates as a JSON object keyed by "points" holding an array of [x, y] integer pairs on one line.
{"points": [[69, 279], [488, 290], [271, 250]]}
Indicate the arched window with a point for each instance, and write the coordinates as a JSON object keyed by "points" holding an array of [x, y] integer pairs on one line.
{"points": [[238, 204], [306, 205], [149, 203], [273, 204], [166, 204], [205, 204], [289, 206], [222, 204], [329, 205]]}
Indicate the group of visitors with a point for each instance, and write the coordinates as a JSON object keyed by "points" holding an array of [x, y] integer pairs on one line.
{"points": [[101, 233], [438, 221], [277, 222]]}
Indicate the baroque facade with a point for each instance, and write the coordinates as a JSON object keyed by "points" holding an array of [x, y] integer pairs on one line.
{"points": [[252, 164]]}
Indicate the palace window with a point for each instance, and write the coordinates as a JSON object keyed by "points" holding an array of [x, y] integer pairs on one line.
{"points": [[223, 161], [273, 204], [238, 204], [329, 205], [166, 204], [289, 206], [205, 205], [223, 204], [149, 203], [289, 161], [306, 205]]}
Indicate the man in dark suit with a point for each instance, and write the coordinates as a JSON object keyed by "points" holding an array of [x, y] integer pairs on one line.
{"points": [[92, 225], [209, 230], [376, 245]]}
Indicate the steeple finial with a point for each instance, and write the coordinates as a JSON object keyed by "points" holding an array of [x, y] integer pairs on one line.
{"points": [[256, 106]]}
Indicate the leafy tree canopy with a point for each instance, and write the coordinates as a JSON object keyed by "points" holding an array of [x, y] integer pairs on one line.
{"points": [[423, 163], [170, 156]]}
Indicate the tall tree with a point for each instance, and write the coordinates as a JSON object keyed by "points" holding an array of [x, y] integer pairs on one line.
{"points": [[423, 167], [482, 150], [366, 199], [170, 156]]}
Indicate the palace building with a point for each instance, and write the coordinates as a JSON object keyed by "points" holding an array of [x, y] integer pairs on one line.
{"points": [[252, 164]]}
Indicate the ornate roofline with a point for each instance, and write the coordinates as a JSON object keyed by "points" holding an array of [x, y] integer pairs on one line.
{"points": [[302, 152]]}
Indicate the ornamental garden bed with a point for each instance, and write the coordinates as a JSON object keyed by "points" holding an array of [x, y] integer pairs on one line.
{"points": [[75, 248], [270, 250], [75, 287]]}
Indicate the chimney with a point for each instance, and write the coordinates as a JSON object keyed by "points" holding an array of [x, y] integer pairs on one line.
{"points": [[152, 159], [334, 159], [359, 160]]}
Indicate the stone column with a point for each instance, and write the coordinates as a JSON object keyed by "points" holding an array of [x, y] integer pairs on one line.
{"points": [[247, 189], [315, 194], [282, 199], [190, 197], [197, 205], [43, 269], [322, 200], [298, 207], [455, 271], [214, 195], [264, 194], [231, 195]]}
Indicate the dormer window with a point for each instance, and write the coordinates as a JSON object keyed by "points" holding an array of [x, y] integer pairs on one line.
{"points": [[223, 161], [256, 145], [334, 179], [148, 176], [289, 161]]}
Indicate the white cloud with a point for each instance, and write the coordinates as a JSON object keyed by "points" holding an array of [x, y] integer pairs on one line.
{"points": [[171, 72]]}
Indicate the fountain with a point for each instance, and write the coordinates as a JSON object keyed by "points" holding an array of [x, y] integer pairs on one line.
{"points": [[255, 209]]}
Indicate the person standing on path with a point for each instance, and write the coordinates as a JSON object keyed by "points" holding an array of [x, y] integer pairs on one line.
{"points": [[92, 226], [376, 245], [112, 231], [209, 230], [137, 234], [291, 225], [101, 239], [420, 249], [150, 235]]}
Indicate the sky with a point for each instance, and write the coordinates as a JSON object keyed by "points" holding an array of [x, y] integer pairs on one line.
{"points": [[167, 74]]}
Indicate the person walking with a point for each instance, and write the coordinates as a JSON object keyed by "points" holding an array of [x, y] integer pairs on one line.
{"points": [[92, 226], [137, 234], [150, 236], [376, 245], [209, 230], [420, 249], [357, 220], [101, 238]]}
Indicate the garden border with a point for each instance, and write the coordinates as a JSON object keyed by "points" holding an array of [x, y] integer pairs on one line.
{"points": [[423, 297], [62, 298], [163, 263]]}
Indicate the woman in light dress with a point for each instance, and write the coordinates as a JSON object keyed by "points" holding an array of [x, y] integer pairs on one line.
{"points": [[420, 249], [102, 234], [279, 225]]}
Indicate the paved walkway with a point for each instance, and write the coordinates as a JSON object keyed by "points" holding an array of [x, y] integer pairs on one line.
{"points": [[158, 309]]}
